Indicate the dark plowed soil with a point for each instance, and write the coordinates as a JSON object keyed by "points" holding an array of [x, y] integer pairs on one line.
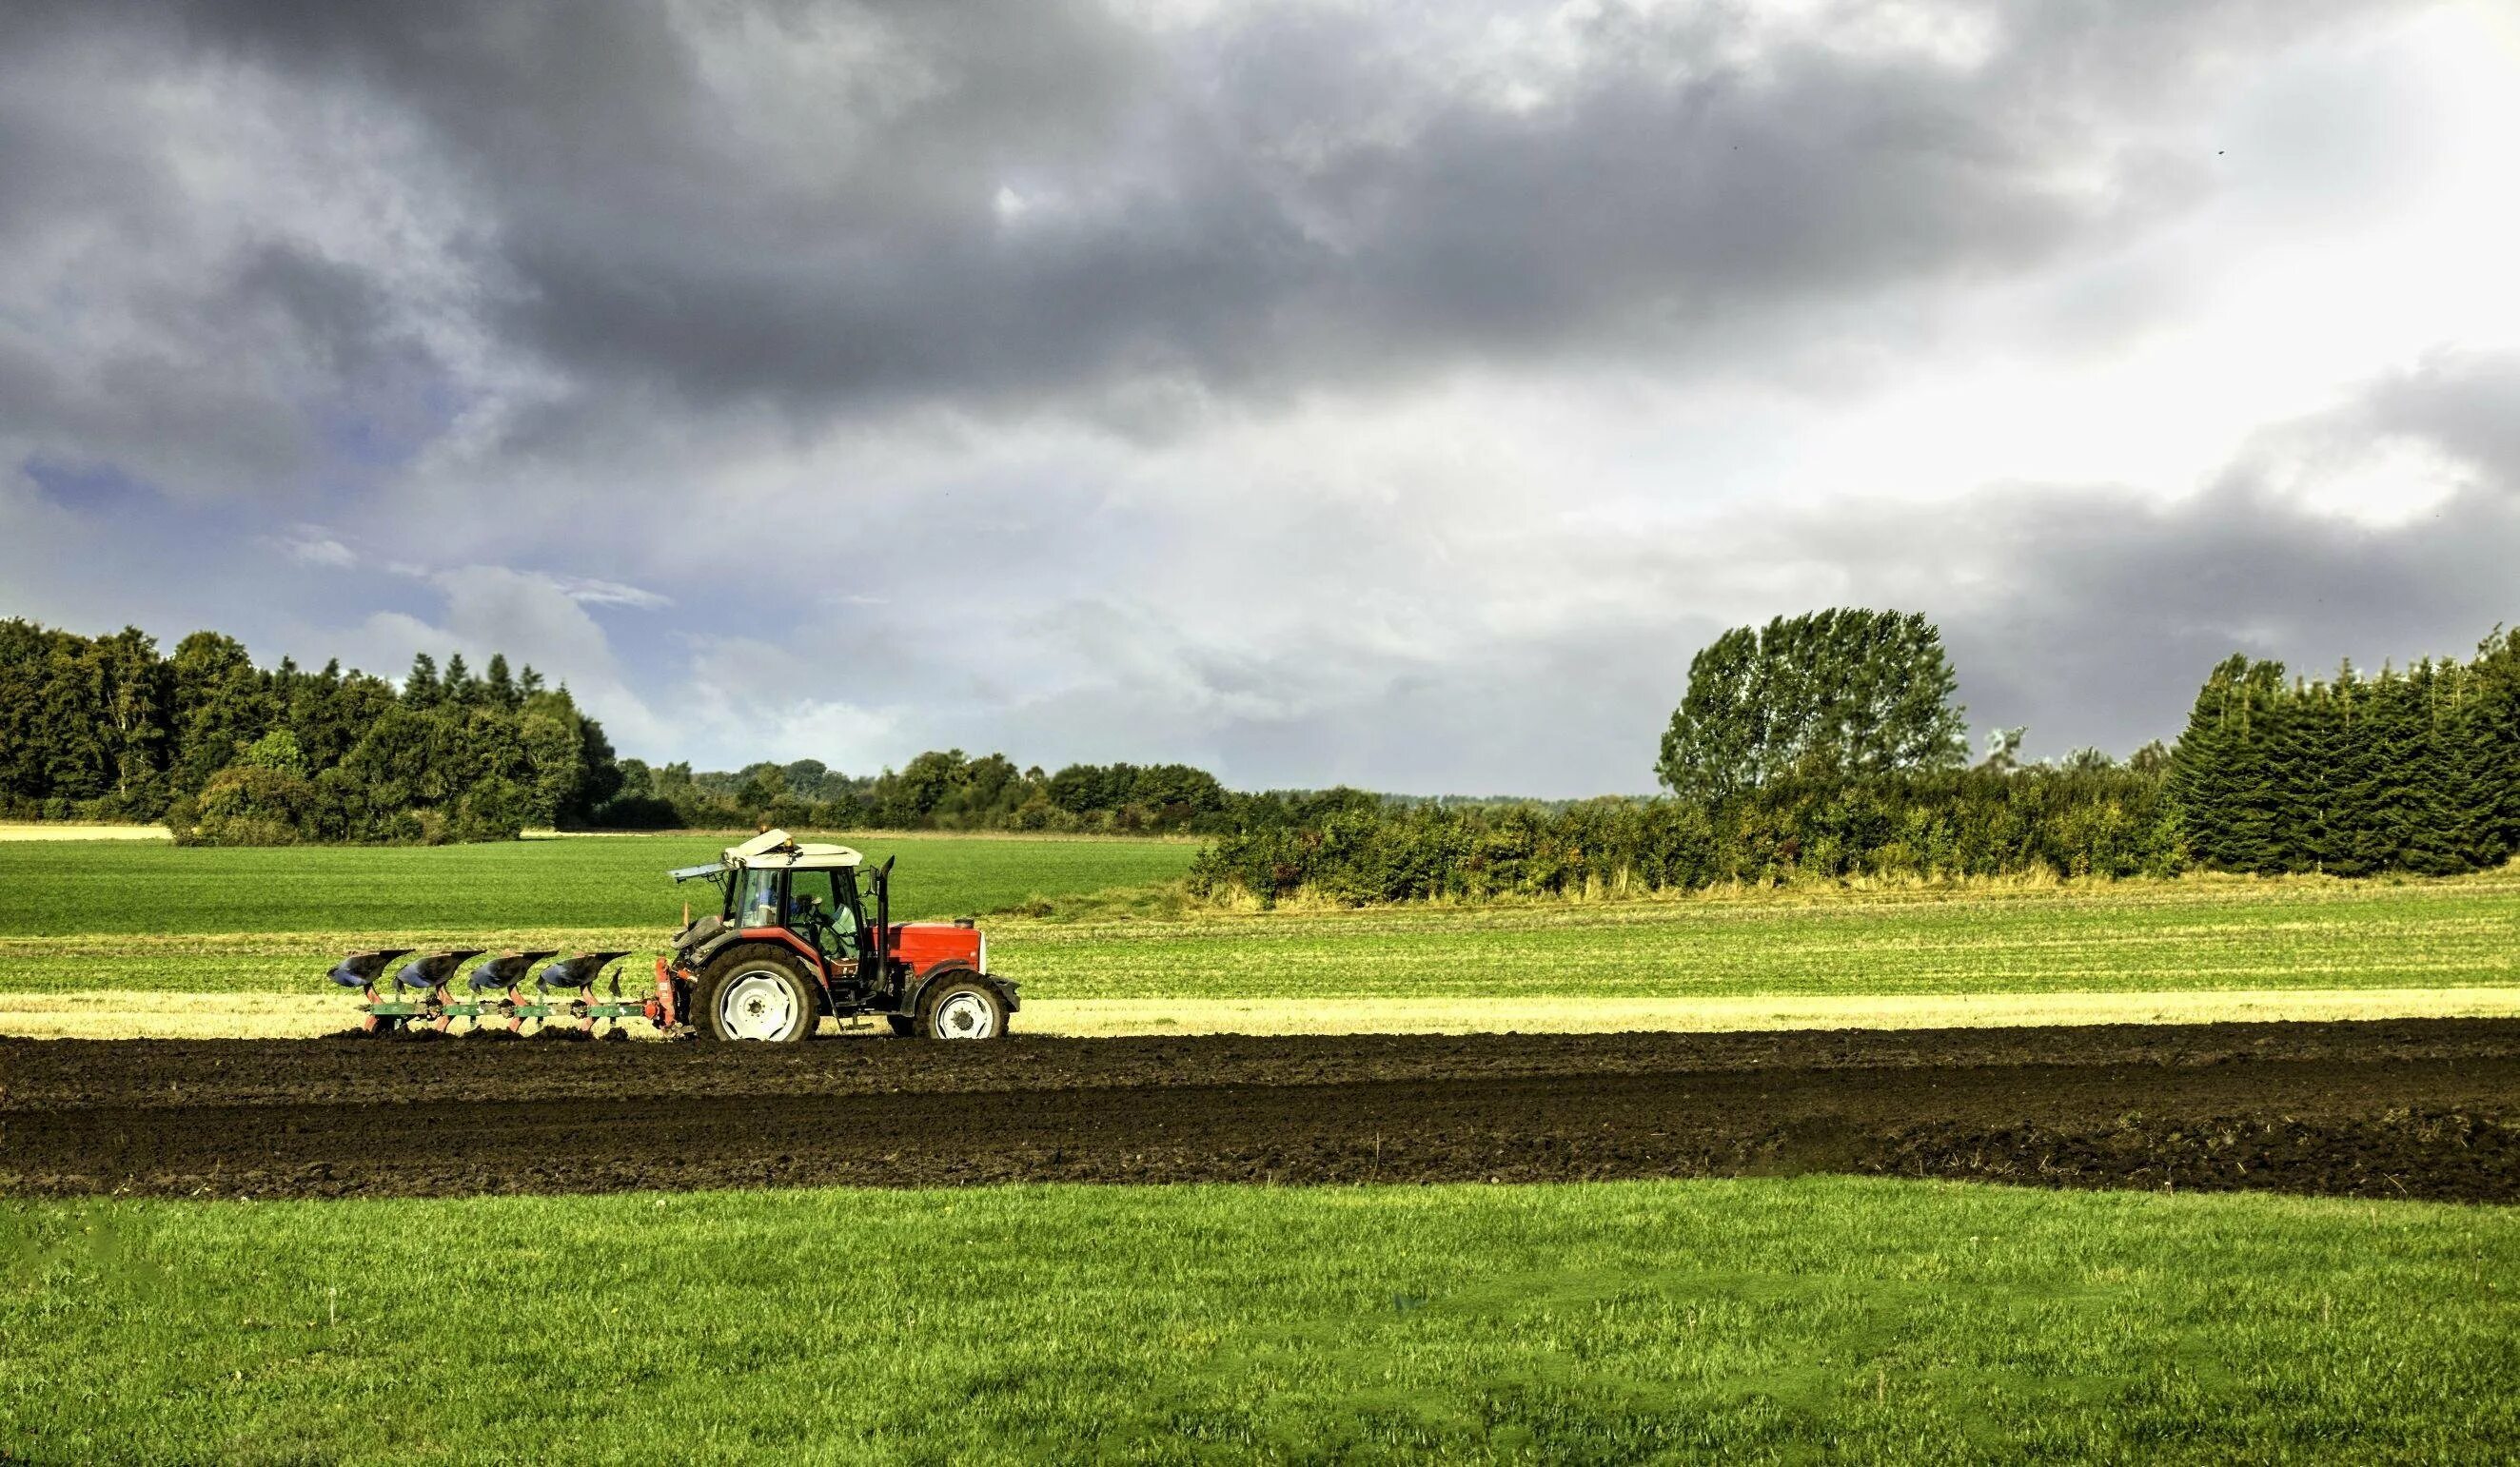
{"points": [[2395, 1109]]}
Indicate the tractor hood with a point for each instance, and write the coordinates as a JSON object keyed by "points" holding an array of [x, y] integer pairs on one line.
{"points": [[932, 945]]}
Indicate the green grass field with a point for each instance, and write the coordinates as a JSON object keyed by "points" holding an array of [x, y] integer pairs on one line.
{"points": [[2136, 937], [602, 883], [130, 916], [1777, 1319]]}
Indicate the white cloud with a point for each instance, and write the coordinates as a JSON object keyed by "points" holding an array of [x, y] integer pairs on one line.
{"points": [[594, 592], [311, 545]]}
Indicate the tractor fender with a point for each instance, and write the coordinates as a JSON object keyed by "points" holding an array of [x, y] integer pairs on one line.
{"points": [[948, 973], [709, 947]]}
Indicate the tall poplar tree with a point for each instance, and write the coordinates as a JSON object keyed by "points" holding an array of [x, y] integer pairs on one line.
{"points": [[1839, 693]]}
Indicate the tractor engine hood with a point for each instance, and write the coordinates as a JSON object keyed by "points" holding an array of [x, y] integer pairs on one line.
{"points": [[934, 945]]}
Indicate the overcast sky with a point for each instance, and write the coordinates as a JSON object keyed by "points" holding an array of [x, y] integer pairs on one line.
{"points": [[1390, 394]]}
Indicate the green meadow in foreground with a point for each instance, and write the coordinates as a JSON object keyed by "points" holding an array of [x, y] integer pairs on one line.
{"points": [[1776, 1320], [139, 918]]}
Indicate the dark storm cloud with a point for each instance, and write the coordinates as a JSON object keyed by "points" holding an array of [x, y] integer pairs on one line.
{"points": [[826, 206], [156, 314]]}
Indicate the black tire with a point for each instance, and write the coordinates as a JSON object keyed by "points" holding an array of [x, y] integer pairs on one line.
{"points": [[962, 1008], [756, 992], [904, 1025]]}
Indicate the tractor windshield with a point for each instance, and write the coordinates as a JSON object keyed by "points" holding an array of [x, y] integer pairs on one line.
{"points": [[755, 894]]}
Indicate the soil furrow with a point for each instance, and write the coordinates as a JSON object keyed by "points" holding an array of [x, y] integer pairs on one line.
{"points": [[2407, 1109]]}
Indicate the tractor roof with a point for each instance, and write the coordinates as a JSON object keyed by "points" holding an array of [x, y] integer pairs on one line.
{"points": [[774, 848], [770, 850]]}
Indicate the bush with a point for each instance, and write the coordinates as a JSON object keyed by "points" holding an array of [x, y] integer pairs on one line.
{"points": [[245, 805], [276, 751], [492, 810]]}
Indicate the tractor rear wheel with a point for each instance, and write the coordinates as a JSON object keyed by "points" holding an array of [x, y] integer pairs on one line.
{"points": [[755, 992], [962, 1009], [903, 1025]]}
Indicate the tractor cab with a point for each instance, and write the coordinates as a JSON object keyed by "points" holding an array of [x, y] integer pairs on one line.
{"points": [[812, 894], [770, 883]]}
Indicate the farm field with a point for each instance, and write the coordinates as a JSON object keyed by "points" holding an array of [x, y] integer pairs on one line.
{"points": [[2134, 937], [592, 883], [1752, 1319], [2392, 1109], [117, 922]]}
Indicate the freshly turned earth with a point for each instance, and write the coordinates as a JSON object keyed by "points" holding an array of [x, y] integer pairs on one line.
{"points": [[2411, 1108]]}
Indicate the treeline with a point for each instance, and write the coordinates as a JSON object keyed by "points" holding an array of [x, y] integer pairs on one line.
{"points": [[225, 752], [1823, 746], [938, 790], [2416, 771], [2090, 817]]}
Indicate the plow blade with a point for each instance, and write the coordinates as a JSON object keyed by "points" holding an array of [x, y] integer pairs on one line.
{"points": [[578, 970], [507, 971], [430, 971], [360, 969]]}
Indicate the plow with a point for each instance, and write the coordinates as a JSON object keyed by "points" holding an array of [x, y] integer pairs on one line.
{"points": [[562, 997], [796, 937]]}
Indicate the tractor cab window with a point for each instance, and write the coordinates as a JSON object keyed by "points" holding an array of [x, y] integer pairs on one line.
{"points": [[756, 898], [818, 908]]}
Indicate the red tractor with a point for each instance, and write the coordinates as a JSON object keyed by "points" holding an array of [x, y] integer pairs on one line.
{"points": [[794, 940], [791, 941]]}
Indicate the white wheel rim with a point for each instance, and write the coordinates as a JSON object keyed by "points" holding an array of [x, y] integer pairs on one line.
{"points": [[757, 1005], [965, 1015]]}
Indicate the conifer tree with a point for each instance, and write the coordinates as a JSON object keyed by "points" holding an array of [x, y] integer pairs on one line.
{"points": [[2350, 780], [2251, 774], [2494, 738], [2430, 841], [2318, 733], [2294, 784], [2385, 795], [2196, 767], [420, 687], [500, 686]]}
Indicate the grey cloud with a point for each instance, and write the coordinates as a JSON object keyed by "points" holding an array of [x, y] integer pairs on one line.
{"points": [[799, 202], [2093, 614], [167, 306], [2468, 405]]}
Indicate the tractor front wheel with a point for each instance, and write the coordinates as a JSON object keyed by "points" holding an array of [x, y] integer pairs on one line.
{"points": [[962, 1008], [755, 992]]}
